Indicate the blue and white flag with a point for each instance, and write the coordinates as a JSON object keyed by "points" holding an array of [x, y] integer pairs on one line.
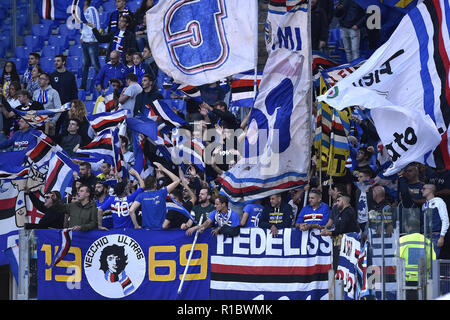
{"points": [[347, 262], [408, 75], [201, 42], [66, 240], [278, 139], [60, 9], [164, 110], [107, 120], [37, 118], [174, 205], [12, 254], [143, 125]]}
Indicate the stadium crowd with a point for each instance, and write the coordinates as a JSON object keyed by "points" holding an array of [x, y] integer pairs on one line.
{"points": [[102, 199]]}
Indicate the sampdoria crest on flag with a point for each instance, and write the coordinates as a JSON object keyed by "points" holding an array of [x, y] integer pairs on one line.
{"points": [[278, 140], [200, 42], [407, 77]]}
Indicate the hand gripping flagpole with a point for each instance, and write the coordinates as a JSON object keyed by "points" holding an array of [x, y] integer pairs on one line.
{"points": [[190, 257]]}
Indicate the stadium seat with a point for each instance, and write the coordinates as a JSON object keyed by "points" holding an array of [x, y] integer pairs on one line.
{"points": [[58, 40], [103, 17], [81, 94], [74, 64], [51, 24], [41, 30], [33, 42], [109, 7], [102, 60], [89, 106], [22, 52], [21, 64], [50, 51], [91, 73], [134, 5], [47, 64], [70, 34], [76, 51]]}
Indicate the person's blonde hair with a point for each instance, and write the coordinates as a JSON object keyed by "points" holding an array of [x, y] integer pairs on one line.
{"points": [[80, 110]]}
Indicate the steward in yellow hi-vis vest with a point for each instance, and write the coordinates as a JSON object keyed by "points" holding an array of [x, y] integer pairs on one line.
{"points": [[412, 249]]}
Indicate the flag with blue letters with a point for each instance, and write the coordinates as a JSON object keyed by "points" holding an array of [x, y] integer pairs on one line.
{"points": [[277, 150], [201, 42]]}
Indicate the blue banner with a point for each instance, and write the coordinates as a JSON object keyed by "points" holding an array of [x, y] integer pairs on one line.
{"points": [[123, 264]]}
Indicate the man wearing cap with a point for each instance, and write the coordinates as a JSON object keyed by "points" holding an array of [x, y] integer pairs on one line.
{"points": [[315, 214], [23, 139]]}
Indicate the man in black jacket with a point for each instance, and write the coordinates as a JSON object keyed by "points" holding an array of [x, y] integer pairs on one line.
{"points": [[121, 39], [351, 19], [344, 222], [63, 80], [277, 215], [149, 93]]}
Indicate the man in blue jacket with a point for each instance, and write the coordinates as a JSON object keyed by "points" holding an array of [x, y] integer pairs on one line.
{"points": [[114, 69]]}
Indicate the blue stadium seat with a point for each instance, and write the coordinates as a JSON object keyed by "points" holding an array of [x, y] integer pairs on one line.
{"points": [[134, 5], [76, 51], [5, 40], [74, 64], [51, 24], [109, 7], [70, 34], [91, 72], [47, 64], [104, 18], [33, 42], [22, 52], [21, 64], [81, 94], [58, 40], [41, 30], [50, 51], [89, 106], [102, 60]]}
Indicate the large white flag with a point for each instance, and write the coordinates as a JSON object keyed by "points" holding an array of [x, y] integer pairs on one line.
{"points": [[410, 70], [278, 139], [202, 41]]}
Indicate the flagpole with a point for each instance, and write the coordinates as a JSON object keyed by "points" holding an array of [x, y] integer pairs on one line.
{"points": [[113, 150], [255, 79], [311, 97], [190, 257]]}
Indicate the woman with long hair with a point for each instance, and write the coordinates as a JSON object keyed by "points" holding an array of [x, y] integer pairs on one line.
{"points": [[77, 111], [33, 84], [9, 75]]}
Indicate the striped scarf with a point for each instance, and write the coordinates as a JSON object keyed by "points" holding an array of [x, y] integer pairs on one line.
{"points": [[43, 96], [125, 281]]}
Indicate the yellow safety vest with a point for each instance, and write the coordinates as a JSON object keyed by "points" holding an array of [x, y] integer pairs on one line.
{"points": [[412, 249]]}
